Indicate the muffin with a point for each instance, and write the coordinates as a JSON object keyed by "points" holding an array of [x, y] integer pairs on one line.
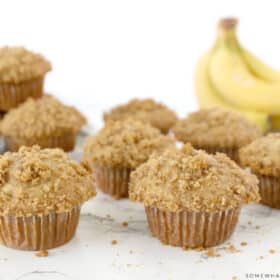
{"points": [[41, 192], [216, 130], [263, 158], [192, 199], [44, 121], [119, 148], [21, 76], [145, 110]]}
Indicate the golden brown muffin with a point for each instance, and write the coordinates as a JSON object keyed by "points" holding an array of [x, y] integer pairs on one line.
{"points": [[263, 158], [216, 130], [119, 148], [44, 121], [192, 199], [145, 110], [22, 75], [41, 192]]}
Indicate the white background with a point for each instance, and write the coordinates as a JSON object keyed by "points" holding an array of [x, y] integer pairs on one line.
{"points": [[106, 52]]}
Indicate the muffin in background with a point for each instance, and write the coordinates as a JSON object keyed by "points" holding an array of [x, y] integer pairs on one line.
{"points": [[263, 158], [146, 111], [216, 130], [119, 148], [22, 75], [41, 192], [44, 121], [192, 199]]}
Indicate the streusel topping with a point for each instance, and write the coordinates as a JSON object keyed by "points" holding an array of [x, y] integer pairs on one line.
{"points": [[42, 117], [263, 155], [17, 64], [190, 179], [145, 110], [38, 181], [125, 144], [216, 127]]}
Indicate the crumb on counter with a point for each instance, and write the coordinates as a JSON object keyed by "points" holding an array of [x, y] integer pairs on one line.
{"points": [[125, 224], [42, 253], [272, 251], [114, 242], [243, 243]]}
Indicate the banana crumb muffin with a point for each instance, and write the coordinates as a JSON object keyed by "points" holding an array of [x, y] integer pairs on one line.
{"points": [[263, 158], [44, 121], [41, 192], [216, 130], [21, 76], [144, 110], [120, 147], [192, 199]]}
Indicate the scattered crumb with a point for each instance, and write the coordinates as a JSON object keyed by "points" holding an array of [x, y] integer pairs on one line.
{"points": [[114, 242], [211, 252], [232, 249], [249, 223], [125, 224], [234, 278], [243, 243], [42, 253], [272, 251], [258, 227]]}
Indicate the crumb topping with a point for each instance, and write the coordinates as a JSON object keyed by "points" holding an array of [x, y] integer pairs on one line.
{"points": [[126, 143], [216, 127], [263, 155], [17, 64], [192, 180], [38, 181], [45, 116], [145, 110]]}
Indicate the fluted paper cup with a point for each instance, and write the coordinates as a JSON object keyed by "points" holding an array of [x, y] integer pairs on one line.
{"points": [[39, 232], [113, 181], [189, 229], [11, 94], [269, 187], [65, 142]]}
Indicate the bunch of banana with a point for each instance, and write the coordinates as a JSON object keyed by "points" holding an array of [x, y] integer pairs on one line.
{"points": [[230, 76]]}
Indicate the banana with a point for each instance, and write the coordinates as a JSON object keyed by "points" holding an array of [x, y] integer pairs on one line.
{"points": [[236, 84], [207, 96], [260, 69]]}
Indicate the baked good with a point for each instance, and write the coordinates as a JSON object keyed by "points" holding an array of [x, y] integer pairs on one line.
{"points": [[263, 158], [41, 192], [119, 148], [216, 130], [144, 110], [22, 75], [44, 121], [192, 199]]}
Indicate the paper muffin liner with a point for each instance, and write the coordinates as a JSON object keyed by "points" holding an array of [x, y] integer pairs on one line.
{"points": [[113, 181], [11, 94], [65, 142], [189, 229], [269, 187], [230, 152], [39, 232]]}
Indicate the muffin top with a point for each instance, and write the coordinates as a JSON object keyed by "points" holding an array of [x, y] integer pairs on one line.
{"points": [[42, 117], [17, 64], [193, 180], [216, 127], [145, 110], [263, 155], [38, 181], [125, 144]]}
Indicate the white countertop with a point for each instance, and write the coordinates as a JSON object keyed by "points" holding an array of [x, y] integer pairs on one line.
{"points": [[137, 255]]}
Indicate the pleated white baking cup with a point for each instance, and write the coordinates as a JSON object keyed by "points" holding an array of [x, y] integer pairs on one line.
{"points": [[39, 232], [189, 229]]}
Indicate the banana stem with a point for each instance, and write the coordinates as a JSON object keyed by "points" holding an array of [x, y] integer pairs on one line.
{"points": [[228, 23]]}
